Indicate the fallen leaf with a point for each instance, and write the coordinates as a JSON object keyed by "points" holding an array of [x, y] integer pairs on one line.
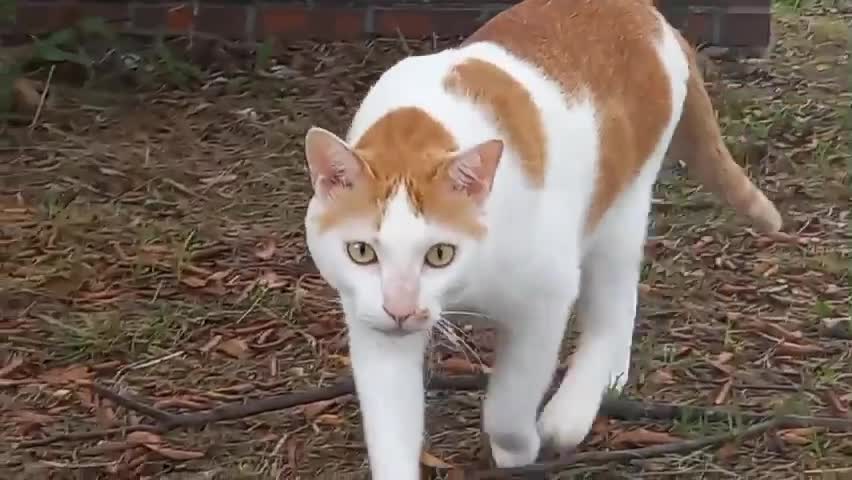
{"points": [[10, 367], [458, 365], [727, 452], [194, 282], [432, 461], [790, 348], [140, 438], [839, 406], [312, 410], [30, 417], [174, 453], [641, 438], [73, 374], [265, 250], [234, 347], [724, 391], [660, 376], [329, 419]]}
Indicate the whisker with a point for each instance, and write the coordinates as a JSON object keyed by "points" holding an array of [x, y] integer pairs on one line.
{"points": [[465, 313], [452, 332]]}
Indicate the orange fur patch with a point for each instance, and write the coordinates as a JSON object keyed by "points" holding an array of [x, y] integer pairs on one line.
{"points": [[512, 107], [406, 148], [574, 43]]}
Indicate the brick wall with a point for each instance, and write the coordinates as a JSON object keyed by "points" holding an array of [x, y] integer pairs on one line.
{"points": [[743, 24]]}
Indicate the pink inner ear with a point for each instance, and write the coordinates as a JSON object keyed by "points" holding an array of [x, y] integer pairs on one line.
{"points": [[473, 170], [331, 162]]}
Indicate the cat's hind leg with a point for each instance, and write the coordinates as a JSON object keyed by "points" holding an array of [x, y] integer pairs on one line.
{"points": [[606, 309], [530, 334]]}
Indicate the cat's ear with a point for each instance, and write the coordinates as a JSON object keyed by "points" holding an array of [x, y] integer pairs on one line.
{"points": [[472, 171], [331, 163]]}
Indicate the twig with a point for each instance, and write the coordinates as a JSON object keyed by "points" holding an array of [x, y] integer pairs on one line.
{"points": [[619, 408], [90, 435], [43, 98], [632, 454]]}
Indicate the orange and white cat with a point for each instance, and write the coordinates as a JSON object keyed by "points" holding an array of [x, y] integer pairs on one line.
{"points": [[511, 176]]}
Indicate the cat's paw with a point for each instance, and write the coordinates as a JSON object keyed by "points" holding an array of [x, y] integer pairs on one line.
{"points": [[514, 450], [566, 420]]}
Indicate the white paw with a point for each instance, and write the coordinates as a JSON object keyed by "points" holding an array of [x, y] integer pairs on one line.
{"points": [[566, 420], [514, 450]]}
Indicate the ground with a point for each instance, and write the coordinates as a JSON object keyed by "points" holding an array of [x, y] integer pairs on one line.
{"points": [[152, 241]]}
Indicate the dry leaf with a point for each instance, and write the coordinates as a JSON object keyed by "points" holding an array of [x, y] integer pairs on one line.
{"points": [[312, 410], [30, 417], [838, 405], [140, 438], [10, 367], [174, 453], [234, 347], [642, 438], [194, 282], [432, 461], [458, 365], [724, 391], [329, 419], [265, 250], [660, 377], [797, 349], [73, 374], [727, 452]]}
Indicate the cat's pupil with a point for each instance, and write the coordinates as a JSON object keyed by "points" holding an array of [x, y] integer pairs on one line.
{"points": [[440, 253]]}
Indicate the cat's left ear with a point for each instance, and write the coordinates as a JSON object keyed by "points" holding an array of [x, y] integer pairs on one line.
{"points": [[472, 171], [332, 164]]}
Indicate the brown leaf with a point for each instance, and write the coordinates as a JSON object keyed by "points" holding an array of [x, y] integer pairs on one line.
{"points": [[329, 419], [661, 376], [10, 367], [727, 452], [839, 407], [234, 347], [458, 365], [174, 453], [265, 250], [790, 348], [312, 410], [432, 461], [140, 438], [72, 374], [194, 282], [724, 391], [641, 438], [31, 417]]}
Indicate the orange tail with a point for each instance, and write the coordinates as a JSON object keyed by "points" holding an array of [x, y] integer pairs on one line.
{"points": [[698, 142]]}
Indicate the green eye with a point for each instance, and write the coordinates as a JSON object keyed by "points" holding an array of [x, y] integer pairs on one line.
{"points": [[361, 253], [440, 255]]}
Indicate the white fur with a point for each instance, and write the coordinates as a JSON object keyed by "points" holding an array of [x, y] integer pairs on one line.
{"points": [[526, 274]]}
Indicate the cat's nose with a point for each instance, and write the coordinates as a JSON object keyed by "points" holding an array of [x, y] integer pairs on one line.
{"points": [[399, 315]]}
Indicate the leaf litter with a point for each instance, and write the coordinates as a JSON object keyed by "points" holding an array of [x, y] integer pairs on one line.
{"points": [[155, 238]]}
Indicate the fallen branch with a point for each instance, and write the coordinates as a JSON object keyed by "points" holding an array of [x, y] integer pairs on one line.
{"points": [[626, 455], [618, 408]]}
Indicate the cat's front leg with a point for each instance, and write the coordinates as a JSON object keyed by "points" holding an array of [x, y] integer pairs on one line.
{"points": [[529, 339], [388, 373]]}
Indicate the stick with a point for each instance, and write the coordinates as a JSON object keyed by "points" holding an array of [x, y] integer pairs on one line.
{"points": [[91, 435], [43, 98], [632, 454]]}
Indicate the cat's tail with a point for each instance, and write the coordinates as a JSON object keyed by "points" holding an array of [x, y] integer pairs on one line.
{"points": [[698, 142]]}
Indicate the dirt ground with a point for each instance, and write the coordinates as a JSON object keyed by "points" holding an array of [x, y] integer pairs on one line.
{"points": [[152, 241]]}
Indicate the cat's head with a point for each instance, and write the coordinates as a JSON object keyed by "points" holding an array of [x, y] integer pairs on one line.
{"points": [[396, 218]]}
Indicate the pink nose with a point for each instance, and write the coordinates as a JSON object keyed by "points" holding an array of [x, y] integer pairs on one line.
{"points": [[400, 311]]}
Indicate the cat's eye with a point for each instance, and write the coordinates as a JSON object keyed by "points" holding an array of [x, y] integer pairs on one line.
{"points": [[440, 255], [361, 253]]}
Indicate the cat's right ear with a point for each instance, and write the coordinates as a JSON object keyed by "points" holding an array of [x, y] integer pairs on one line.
{"points": [[331, 163]]}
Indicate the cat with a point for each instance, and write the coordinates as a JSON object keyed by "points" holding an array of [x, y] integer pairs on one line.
{"points": [[510, 176]]}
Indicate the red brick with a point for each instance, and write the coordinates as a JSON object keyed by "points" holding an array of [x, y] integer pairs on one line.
{"points": [[337, 23], [227, 20], [31, 17], [149, 17], [116, 13], [422, 22], [745, 29], [698, 27], [290, 22], [179, 18]]}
